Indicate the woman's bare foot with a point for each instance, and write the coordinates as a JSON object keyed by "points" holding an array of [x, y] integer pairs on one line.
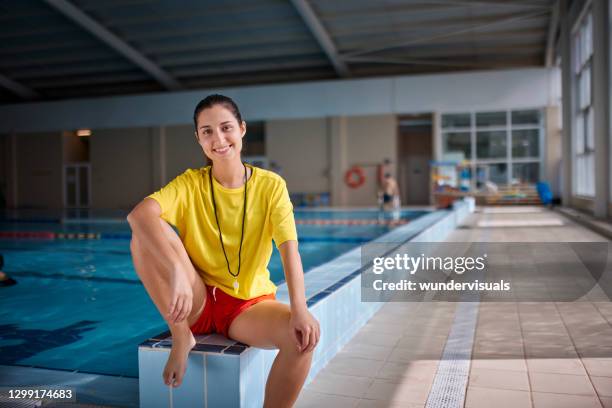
{"points": [[177, 360]]}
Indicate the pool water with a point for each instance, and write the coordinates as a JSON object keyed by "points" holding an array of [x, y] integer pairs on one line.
{"points": [[80, 306]]}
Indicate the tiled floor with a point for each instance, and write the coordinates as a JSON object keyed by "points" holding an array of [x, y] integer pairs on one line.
{"points": [[524, 354]]}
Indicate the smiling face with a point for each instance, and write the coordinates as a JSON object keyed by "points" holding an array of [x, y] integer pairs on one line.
{"points": [[219, 133]]}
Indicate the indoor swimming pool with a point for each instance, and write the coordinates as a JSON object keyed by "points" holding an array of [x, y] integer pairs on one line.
{"points": [[79, 305]]}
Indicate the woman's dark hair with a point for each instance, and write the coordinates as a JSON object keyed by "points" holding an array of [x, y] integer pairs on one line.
{"points": [[216, 99]]}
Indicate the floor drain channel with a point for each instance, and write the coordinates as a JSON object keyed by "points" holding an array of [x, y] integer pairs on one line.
{"points": [[450, 383]]}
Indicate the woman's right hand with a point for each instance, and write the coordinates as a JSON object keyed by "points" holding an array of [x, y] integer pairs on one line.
{"points": [[182, 296]]}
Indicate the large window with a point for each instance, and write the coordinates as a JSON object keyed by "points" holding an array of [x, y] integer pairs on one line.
{"points": [[583, 135], [500, 146]]}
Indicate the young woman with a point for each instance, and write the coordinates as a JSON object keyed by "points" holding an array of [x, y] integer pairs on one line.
{"points": [[214, 278]]}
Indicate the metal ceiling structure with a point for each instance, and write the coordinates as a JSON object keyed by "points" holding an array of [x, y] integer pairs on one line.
{"points": [[64, 49]]}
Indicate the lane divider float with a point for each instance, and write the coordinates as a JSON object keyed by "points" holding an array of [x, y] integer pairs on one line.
{"points": [[350, 222], [49, 235], [79, 236]]}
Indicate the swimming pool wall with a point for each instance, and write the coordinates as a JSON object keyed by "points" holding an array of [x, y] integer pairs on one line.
{"points": [[339, 308]]}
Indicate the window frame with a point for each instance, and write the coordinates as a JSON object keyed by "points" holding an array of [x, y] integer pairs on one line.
{"points": [[508, 128], [583, 135]]}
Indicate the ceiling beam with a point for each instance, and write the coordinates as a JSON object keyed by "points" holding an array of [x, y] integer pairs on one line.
{"points": [[465, 39], [379, 70], [18, 89], [322, 36], [450, 53], [413, 61], [420, 40], [491, 3], [373, 10], [552, 35], [414, 26], [102, 33]]}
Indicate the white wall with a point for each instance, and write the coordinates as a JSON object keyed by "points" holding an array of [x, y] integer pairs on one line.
{"points": [[300, 148], [314, 156], [127, 164], [121, 167], [610, 103], [371, 139], [39, 170], [503, 89], [182, 151]]}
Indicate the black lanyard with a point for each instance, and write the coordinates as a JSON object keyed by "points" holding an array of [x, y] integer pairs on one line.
{"points": [[212, 192]]}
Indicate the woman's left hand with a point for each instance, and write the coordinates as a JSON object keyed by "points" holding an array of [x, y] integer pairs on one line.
{"points": [[305, 329]]}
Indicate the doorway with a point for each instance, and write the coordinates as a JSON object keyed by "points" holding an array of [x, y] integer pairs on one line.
{"points": [[77, 179], [415, 151]]}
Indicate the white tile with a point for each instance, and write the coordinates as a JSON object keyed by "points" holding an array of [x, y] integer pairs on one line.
{"points": [[547, 400], [336, 384], [512, 364], [561, 383], [367, 351], [312, 399], [418, 370], [502, 379], [603, 386], [346, 365], [556, 365], [408, 391], [498, 398], [366, 403]]}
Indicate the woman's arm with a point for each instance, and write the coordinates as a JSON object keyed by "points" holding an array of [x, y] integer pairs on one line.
{"points": [[144, 220], [305, 326]]}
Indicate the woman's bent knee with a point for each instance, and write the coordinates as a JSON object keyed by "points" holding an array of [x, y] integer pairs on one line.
{"points": [[286, 338]]}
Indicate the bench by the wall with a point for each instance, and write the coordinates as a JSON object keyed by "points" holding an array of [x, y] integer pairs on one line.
{"points": [[224, 373]]}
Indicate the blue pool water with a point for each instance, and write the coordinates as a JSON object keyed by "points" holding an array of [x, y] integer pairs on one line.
{"points": [[80, 306]]}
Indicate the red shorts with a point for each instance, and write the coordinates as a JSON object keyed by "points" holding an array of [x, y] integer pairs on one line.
{"points": [[220, 310]]}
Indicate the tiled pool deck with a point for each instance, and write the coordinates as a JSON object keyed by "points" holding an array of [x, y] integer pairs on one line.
{"points": [[524, 354]]}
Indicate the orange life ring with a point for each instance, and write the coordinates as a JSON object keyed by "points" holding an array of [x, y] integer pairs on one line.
{"points": [[354, 177]]}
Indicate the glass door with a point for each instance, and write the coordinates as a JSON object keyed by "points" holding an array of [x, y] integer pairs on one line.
{"points": [[77, 179]]}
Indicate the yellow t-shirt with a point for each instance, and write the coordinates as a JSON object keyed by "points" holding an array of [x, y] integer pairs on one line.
{"points": [[187, 204]]}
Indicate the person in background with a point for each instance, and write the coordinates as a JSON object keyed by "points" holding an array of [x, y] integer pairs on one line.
{"points": [[382, 169], [390, 193], [5, 280]]}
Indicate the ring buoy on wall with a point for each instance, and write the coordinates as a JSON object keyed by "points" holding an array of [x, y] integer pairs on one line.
{"points": [[354, 177]]}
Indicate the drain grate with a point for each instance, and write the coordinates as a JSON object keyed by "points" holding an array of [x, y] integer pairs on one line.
{"points": [[450, 383]]}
